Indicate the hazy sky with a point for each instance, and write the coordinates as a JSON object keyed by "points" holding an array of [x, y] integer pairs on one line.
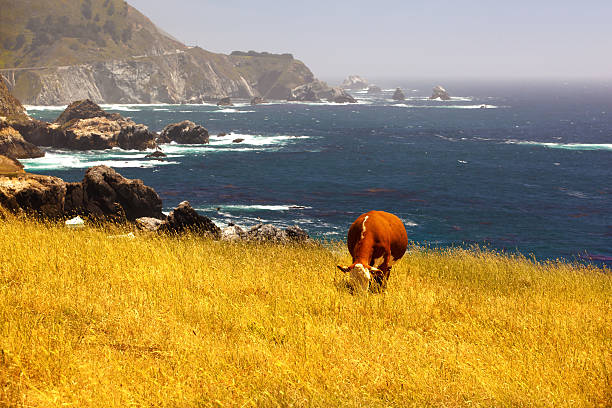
{"points": [[405, 39]]}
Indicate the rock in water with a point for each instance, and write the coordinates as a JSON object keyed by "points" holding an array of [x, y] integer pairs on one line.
{"points": [[318, 90], [13, 145], [87, 127], [440, 93], [157, 155], [225, 101], [238, 140], [257, 100], [373, 89], [185, 218], [108, 193], [354, 82], [398, 95], [84, 109], [185, 132]]}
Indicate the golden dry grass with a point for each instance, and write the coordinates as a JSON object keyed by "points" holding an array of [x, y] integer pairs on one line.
{"points": [[88, 320]]}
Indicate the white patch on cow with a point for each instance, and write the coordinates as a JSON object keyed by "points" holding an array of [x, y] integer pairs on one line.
{"points": [[360, 277], [363, 227]]}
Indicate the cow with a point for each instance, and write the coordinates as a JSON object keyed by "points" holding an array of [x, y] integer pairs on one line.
{"points": [[376, 240]]}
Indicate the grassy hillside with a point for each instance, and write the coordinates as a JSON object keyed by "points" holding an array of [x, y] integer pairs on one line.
{"points": [[88, 318], [37, 33]]}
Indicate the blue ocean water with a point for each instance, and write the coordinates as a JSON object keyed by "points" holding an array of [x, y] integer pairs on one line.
{"points": [[514, 166]]}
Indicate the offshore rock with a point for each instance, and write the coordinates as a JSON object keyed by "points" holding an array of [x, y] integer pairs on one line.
{"points": [[258, 100], [227, 101], [185, 218], [156, 155], [185, 132], [398, 95], [319, 90], [354, 82], [84, 109], [373, 89], [440, 93], [87, 127]]}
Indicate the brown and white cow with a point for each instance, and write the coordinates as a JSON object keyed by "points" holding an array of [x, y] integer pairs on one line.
{"points": [[376, 238]]}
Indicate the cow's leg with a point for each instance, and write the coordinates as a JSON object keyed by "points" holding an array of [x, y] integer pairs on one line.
{"points": [[385, 268]]}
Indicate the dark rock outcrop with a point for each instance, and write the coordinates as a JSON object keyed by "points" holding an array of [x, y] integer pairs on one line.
{"points": [[107, 193], [156, 155], [398, 95], [185, 132], [227, 101], [440, 93], [238, 140], [185, 218], [13, 145], [258, 100], [84, 109], [373, 89]]}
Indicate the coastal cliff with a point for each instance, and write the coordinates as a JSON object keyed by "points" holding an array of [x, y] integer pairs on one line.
{"points": [[107, 51]]}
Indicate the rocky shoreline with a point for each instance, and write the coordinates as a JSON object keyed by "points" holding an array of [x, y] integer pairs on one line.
{"points": [[103, 194]]}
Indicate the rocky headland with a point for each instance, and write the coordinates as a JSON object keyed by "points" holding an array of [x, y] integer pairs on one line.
{"points": [[57, 52]]}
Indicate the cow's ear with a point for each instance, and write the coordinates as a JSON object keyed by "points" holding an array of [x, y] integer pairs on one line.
{"points": [[343, 268]]}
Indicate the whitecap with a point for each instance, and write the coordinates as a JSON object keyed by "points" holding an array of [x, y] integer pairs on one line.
{"points": [[45, 108], [255, 207], [566, 146], [55, 160]]}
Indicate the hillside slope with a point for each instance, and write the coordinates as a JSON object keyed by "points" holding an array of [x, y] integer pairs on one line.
{"points": [[58, 51]]}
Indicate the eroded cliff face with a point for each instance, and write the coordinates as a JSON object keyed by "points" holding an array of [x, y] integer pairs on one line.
{"points": [[191, 76]]}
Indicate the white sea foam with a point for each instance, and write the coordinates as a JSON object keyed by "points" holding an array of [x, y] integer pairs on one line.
{"points": [[45, 108], [54, 160], [404, 105], [257, 207], [567, 146]]}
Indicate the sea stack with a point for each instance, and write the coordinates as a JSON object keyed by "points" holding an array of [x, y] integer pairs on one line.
{"points": [[354, 82], [439, 93], [398, 95]]}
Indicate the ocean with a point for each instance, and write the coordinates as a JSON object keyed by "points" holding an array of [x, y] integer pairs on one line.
{"points": [[514, 166]]}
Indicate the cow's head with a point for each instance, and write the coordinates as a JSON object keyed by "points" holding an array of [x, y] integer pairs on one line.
{"points": [[360, 275]]}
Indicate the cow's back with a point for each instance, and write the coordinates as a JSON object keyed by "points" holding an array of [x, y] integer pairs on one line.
{"points": [[381, 229]]}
